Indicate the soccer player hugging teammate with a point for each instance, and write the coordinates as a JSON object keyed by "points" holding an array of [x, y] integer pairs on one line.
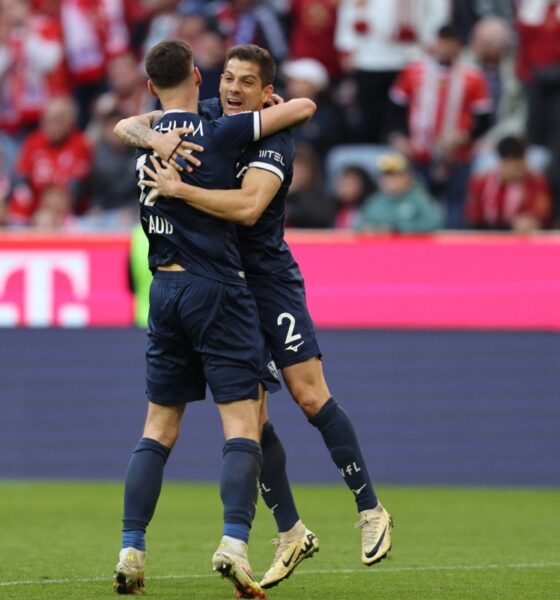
{"points": [[264, 174], [203, 325]]}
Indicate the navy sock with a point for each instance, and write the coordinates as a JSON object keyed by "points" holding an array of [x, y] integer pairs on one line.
{"points": [[238, 485], [341, 440], [274, 484], [141, 491]]}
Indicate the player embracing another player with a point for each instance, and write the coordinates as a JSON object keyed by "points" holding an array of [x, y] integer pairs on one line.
{"points": [[264, 172]]}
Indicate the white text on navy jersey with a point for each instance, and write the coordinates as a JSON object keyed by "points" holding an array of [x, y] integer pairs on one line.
{"points": [[171, 125]]}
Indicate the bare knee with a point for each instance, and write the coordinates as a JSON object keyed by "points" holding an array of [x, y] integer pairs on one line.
{"points": [[307, 385], [163, 423], [309, 398], [166, 435]]}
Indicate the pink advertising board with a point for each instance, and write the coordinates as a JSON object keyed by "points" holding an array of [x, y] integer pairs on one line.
{"points": [[67, 281], [442, 281]]}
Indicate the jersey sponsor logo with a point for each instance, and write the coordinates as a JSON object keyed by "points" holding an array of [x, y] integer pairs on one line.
{"points": [[273, 370], [171, 125], [295, 347], [272, 155], [159, 225]]}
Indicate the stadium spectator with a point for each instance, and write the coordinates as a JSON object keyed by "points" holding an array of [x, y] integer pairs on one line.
{"points": [[113, 190], [252, 22], [512, 197], [308, 206], [491, 50], [5, 186], [402, 204], [31, 65], [127, 93], [467, 13], [538, 66], [55, 157], [164, 23], [313, 26], [211, 52], [438, 130], [94, 32], [308, 78], [352, 186], [54, 212], [377, 39]]}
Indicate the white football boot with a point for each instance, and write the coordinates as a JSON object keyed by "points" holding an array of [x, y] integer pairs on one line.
{"points": [[292, 547], [231, 561], [376, 525], [129, 572]]}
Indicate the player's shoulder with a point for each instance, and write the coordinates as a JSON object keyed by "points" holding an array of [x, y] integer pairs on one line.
{"points": [[210, 108], [281, 141]]}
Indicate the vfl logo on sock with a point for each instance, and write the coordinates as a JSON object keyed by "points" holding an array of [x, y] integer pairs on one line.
{"points": [[295, 347]]}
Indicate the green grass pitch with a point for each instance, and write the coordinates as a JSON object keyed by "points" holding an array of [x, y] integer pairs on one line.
{"points": [[60, 540]]}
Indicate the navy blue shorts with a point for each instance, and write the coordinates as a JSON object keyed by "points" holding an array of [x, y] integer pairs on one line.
{"points": [[204, 331], [286, 323]]}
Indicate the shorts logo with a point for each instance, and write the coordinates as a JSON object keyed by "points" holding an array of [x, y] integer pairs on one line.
{"points": [[273, 370]]}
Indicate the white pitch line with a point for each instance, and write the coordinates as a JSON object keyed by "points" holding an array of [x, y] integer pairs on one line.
{"points": [[375, 570]]}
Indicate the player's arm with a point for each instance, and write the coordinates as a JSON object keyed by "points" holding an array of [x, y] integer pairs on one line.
{"points": [[242, 206], [293, 113], [137, 132]]}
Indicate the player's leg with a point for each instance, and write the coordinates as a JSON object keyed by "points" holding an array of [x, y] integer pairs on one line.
{"points": [[144, 478], [295, 542], [242, 461], [306, 383], [237, 366], [174, 377]]}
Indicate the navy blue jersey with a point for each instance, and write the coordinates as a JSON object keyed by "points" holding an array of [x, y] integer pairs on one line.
{"points": [[180, 234], [263, 249]]}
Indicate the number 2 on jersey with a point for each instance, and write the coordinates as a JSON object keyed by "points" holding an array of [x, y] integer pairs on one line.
{"points": [[290, 336]]}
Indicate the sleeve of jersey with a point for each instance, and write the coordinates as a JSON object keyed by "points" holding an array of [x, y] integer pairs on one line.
{"points": [[234, 132], [271, 154]]}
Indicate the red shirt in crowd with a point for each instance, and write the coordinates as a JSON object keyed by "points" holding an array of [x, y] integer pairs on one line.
{"points": [[539, 42], [494, 203], [441, 101], [43, 166], [313, 31], [94, 32], [34, 71]]}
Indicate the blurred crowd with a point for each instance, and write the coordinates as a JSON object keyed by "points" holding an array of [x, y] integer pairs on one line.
{"points": [[432, 114]]}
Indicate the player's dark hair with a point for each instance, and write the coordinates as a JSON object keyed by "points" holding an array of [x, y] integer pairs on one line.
{"points": [[169, 63], [512, 147], [449, 32], [258, 56]]}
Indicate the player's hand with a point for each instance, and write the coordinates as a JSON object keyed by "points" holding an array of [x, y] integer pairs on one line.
{"points": [[163, 178], [171, 148], [274, 100]]}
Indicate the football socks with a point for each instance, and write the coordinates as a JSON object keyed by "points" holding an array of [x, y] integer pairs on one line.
{"points": [[238, 485], [274, 484], [341, 440], [141, 491]]}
